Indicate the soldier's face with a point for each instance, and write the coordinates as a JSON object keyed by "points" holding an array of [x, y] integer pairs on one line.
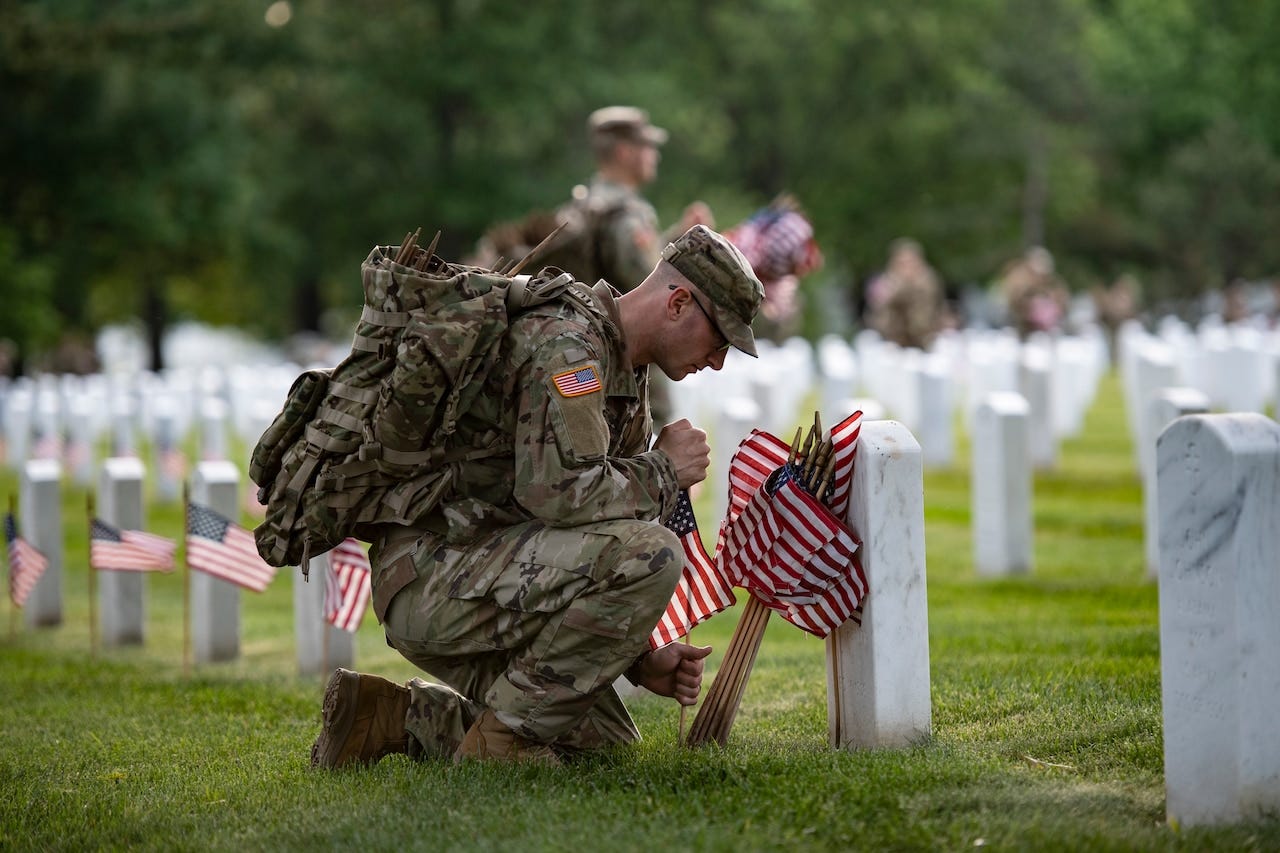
{"points": [[695, 341], [641, 160]]}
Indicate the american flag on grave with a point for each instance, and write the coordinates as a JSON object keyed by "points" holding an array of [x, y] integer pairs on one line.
{"points": [[347, 586], [26, 564], [112, 549], [780, 543], [224, 549]]}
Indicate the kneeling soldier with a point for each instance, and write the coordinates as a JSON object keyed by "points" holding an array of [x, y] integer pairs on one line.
{"points": [[539, 578]]}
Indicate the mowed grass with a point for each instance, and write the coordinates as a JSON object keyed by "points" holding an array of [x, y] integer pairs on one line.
{"points": [[1046, 722]]}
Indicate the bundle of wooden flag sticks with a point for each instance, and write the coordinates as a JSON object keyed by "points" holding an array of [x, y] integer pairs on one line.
{"points": [[812, 467]]}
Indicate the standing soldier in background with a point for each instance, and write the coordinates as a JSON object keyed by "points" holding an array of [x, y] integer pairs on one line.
{"points": [[905, 301], [626, 239], [623, 226], [1035, 296], [607, 230]]}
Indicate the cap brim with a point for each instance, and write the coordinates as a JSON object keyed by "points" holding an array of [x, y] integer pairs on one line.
{"points": [[654, 135], [734, 330]]}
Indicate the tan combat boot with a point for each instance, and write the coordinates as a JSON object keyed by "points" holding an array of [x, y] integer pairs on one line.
{"points": [[362, 720], [488, 739]]}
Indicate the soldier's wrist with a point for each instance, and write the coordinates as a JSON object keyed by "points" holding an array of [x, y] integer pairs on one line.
{"points": [[633, 673]]}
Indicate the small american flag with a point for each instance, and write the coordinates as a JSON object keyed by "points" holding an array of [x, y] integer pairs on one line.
{"points": [[48, 445], [573, 383], [777, 242], [702, 591], [129, 550], [173, 463], [224, 549], [346, 586], [26, 564], [779, 542]]}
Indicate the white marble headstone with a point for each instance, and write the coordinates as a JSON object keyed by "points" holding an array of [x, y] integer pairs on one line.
{"points": [[122, 594], [321, 646], [1165, 406], [1034, 384], [736, 418], [1219, 492], [40, 514], [935, 432], [878, 672], [215, 603], [1001, 485]]}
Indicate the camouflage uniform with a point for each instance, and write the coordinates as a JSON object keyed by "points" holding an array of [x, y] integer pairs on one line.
{"points": [[628, 244], [627, 248], [537, 582], [905, 302]]}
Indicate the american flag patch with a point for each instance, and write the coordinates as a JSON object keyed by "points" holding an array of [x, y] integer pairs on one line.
{"points": [[573, 383]]}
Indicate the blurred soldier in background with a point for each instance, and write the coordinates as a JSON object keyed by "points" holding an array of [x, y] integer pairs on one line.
{"points": [[623, 226], [1114, 306], [626, 240], [1235, 301], [1035, 297], [905, 302]]}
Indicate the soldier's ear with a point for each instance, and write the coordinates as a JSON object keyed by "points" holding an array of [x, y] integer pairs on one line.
{"points": [[677, 301]]}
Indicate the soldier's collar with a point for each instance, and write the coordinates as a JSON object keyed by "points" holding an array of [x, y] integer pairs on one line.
{"points": [[621, 382]]}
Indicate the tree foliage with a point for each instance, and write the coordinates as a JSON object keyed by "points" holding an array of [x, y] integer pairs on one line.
{"points": [[164, 160]]}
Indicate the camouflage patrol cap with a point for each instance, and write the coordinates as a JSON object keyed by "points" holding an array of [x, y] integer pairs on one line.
{"points": [[716, 267], [625, 123]]}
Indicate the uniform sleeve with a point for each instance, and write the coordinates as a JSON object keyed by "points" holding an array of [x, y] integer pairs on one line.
{"points": [[564, 473], [631, 246]]}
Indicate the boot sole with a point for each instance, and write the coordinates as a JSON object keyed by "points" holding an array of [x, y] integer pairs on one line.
{"points": [[340, 695]]}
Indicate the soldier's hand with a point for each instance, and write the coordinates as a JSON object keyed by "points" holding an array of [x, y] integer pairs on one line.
{"points": [[687, 447], [674, 670]]}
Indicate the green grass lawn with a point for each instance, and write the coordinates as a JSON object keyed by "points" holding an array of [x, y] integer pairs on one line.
{"points": [[1046, 721]]}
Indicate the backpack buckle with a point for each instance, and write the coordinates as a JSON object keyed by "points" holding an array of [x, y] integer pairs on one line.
{"points": [[369, 452]]}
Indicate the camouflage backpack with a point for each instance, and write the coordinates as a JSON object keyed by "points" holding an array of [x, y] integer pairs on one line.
{"points": [[575, 248], [367, 443]]}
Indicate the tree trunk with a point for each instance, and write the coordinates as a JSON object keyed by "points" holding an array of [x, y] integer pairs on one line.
{"points": [[307, 308], [1035, 193], [155, 317]]}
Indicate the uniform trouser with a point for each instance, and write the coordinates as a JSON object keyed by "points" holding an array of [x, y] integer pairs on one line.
{"points": [[534, 623]]}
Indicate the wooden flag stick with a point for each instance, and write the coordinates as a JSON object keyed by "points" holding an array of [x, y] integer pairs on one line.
{"points": [[406, 248], [186, 582], [688, 640], [731, 680], [751, 647], [715, 718], [750, 628], [13, 606], [714, 706], [534, 251], [93, 584], [435, 241]]}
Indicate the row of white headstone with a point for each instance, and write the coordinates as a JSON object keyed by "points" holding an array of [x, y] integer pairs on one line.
{"points": [[1220, 584], [70, 418], [214, 604], [878, 674]]}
